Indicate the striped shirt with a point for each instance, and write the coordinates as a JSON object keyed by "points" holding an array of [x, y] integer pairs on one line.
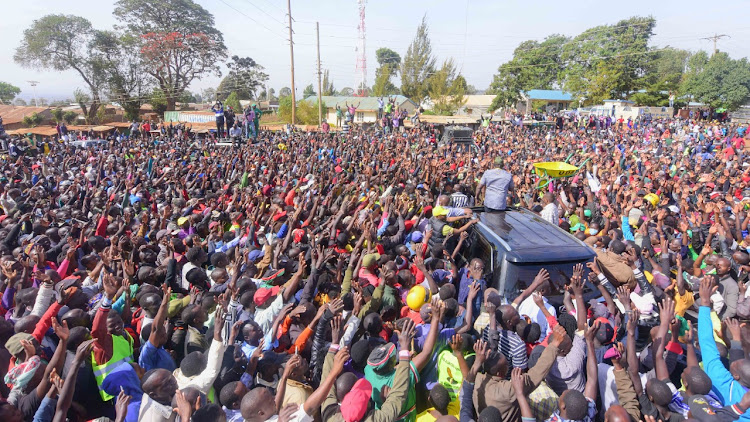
{"points": [[510, 345], [459, 200]]}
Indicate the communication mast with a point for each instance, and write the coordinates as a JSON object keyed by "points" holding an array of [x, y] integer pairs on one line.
{"points": [[360, 87]]}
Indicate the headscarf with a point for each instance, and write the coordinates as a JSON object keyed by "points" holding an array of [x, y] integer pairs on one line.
{"points": [[21, 374]]}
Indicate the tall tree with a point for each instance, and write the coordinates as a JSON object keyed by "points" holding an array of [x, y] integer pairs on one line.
{"points": [[327, 84], [389, 62], [309, 91], [245, 77], [446, 89], [126, 82], [58, 114], [70, 117], [19, 102], [285, 92], [664, 77], [535, 65], [418, 64], [233, 100], [208, 95], [64, 42], [267, 95], [8, 92], [620, 49], [718, 81], [158, 101], [346, 91], [179, 41]]}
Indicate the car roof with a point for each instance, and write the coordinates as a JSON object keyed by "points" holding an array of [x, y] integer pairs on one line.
{"points": [[527, 238]]}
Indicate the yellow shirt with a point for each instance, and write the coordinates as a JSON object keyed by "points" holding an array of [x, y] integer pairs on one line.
{"points": [[453, 409], [683, 302]]}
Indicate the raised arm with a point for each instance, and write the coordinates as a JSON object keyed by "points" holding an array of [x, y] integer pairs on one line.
{"points": [[592, 372], [541, 277], [517, 380], [666, 314], [421, 360]]}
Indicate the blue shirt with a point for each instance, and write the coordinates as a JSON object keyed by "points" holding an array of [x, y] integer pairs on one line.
{"points": [[152, 358], [465, 281], [429, 373]]}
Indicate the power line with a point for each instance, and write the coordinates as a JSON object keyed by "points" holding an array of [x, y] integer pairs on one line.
{"points": [[715, 38], [245, 15], [264, 12]]}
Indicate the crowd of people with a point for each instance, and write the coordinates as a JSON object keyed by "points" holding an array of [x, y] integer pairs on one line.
{"points": [[330, 277]]}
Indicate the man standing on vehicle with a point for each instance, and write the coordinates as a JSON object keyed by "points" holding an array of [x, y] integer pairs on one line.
{"points": [[497, 184]]}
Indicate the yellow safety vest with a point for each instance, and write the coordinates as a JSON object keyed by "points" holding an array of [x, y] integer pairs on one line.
{"points": [[122, 352]]}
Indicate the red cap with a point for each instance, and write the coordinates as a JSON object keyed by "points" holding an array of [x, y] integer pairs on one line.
{"points": [[338, 169], [263, 294], [355, 403], [298, 233]]}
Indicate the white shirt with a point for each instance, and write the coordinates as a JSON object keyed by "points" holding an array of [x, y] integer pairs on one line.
{"points": [[298, 416], [185, 269], [551, 214], [528, 308]]}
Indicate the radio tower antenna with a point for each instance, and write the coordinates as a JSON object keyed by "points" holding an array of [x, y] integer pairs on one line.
{"points": [[360, 88]]}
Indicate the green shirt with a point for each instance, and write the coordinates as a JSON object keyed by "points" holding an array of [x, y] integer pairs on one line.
{"points": [[378, 381]]}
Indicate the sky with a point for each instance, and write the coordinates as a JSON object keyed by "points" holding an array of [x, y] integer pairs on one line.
{"points": [[478, 34]]}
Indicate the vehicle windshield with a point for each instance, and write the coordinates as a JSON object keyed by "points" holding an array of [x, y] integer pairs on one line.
{"points": [[559, 272]]}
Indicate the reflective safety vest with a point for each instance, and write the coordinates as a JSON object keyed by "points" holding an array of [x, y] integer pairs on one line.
{"points": [[449, 372], [122, 352]]}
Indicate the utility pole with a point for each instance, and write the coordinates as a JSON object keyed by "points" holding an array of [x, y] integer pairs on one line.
{"points": [[716, 38], [320, 90], [291, 53], [33, 85]]}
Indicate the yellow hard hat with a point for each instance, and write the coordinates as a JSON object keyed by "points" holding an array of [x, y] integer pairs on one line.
{"points": [[652, 198], [418, 296]]}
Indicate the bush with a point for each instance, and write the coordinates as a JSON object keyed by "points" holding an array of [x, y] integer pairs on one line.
{"points": [[307, 111]]}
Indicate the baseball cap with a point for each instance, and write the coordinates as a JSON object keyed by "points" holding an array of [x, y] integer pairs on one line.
{"points": [[381, 355], [439, 210], [370, 259], [355, 403], [703, 411], [606, 332], [417, 237], [263, 294], [13, 345], [255, 254]]}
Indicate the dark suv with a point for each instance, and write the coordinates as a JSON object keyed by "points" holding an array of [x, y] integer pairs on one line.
{"points": [[515, 244]]}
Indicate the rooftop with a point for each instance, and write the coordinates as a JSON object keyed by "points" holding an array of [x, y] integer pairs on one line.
{"points": [[365, 103], [528, 237], [549, 95], [15, 114], [478, 100]]}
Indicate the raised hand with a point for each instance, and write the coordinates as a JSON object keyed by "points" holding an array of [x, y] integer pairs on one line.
{"points": [[589, 333], [540, 278], [623, 295], [342, 356], [62, 331], [336, 306], [482, 350], [406, 334], [517, 380], [558, 336], [666, 311]]}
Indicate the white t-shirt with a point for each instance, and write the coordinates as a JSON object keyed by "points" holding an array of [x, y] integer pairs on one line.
{"points": [[529, 308], [298, 416]]}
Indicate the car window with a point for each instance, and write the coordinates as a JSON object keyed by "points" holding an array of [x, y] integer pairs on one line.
{"points": [[559, 273], [480, 248]]}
